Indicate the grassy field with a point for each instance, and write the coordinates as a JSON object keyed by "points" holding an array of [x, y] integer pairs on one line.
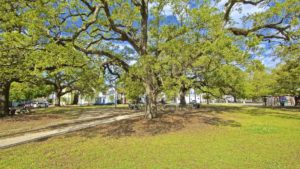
{"points": [[212, 137]]}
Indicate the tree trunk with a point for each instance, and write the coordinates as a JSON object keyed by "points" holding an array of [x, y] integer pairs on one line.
{"points": [[4, 98], [76, 98], [207, 98], [151, 103], [57, 100], [182, 97], [234, 99], [144, 27]]}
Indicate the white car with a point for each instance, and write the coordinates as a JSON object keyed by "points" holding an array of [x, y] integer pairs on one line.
{"points": [[40, 104]]}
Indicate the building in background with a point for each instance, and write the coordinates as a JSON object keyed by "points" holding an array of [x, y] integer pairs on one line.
{"points": [[111, 96]]}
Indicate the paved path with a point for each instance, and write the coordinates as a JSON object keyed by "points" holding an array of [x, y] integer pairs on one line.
{"points": [[28, 137]]}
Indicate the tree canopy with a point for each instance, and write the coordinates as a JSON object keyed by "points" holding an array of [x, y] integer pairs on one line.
{"points": [[159, 46]]}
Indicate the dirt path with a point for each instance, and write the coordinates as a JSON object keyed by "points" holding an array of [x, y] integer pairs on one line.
{"points": [[33, 136]]}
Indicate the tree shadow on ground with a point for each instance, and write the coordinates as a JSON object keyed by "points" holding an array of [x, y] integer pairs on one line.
{"points": [[280, 112], [203, 108], [56, 126], [28, 117], [171, 120], [220, 122], [72, 112], [165, 123], [287, 109], [286, 113]]}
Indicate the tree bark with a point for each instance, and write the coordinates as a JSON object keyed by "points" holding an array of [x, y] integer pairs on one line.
{"points": [[182, 97], [144, 27], [207, 98], [76, 98], [234, 98], [57, 100], [4, 98], [151, 103]]}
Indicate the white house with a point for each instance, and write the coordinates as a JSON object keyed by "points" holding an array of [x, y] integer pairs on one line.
{"points": [[110, 96]]}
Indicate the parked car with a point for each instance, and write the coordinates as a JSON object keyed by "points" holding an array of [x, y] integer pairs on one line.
{"points": [[39, 104], [28, 105], [194, 104], [102, 104], [136, 106]]}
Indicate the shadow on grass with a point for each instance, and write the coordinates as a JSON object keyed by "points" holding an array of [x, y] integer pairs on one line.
{"points": [[138, 126], [58, 125], [174, 120], [72, 112], [286, 113], [280, 112], [203, 108], [220, 122], [28, 117], [165, 123]]}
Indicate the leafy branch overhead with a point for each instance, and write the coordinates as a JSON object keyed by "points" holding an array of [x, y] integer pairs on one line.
{"points": [[150, 47], [277, 22]]}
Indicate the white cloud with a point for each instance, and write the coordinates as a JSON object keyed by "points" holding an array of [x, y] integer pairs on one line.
{"points": [[271, 62], [167, 8]]}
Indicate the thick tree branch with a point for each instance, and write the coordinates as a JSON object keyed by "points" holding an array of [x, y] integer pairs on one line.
{"points": [[281, 30], [107, 67], [124, 35], [229, 5], [88, 5], [84, 27], [121, 62], [275, 26]]}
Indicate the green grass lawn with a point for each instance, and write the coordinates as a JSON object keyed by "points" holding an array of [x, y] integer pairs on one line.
{"points": [[212, 137]]}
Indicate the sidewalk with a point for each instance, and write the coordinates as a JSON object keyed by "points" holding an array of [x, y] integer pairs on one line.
{"points": [[33, 136]]}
